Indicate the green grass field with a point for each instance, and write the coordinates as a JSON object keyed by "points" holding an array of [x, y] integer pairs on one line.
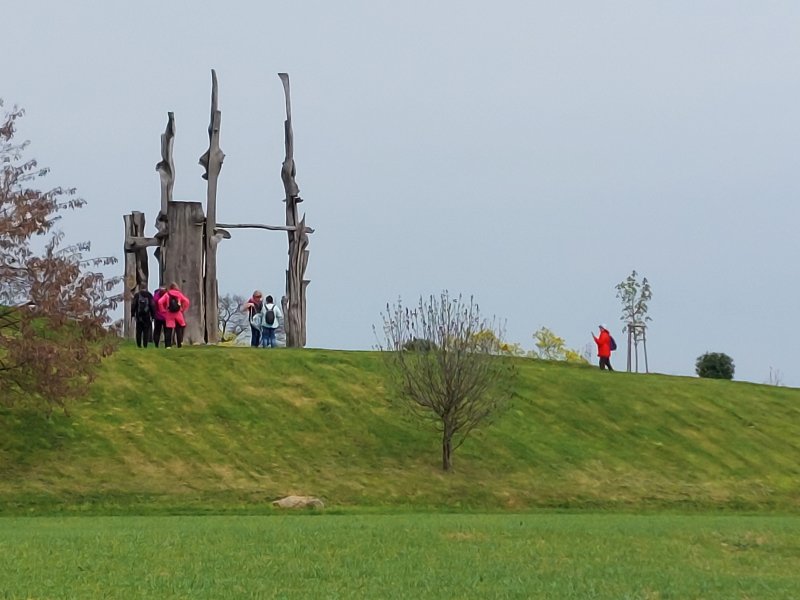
{"points": [[226, 430], [591, 485], [402, 556]]}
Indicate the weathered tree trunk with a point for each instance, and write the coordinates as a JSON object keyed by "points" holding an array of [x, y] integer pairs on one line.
{"points": [[137, 269], [166, 172], [129, 281], [296, 285], [184, 246], [294, 303], [212, 161]]}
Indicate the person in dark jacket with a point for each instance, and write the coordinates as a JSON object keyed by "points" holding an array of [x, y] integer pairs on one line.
{"points": [[603, 342], [143, 310]]}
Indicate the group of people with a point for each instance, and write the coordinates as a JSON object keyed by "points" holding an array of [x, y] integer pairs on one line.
{"points": [[157, 313], [163, 312], [265, 317]]}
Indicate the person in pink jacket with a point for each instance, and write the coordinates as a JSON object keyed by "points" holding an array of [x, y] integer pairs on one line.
{"points": [[158, 321], [172, 305]]}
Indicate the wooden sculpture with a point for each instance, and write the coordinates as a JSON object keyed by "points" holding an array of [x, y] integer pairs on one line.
{"points": [[186, 240]]}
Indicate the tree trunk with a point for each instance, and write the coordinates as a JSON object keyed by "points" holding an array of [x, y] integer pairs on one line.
{"points": [[447, 449], [184, 248], [136, 266]]}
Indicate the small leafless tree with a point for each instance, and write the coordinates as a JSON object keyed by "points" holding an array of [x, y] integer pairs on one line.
{"points": [[775, 377], [440, 365], [53, 305], [232, 320]]}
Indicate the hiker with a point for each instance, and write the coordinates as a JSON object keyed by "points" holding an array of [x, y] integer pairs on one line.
{"points": [[143, 309], [605, 344], [158, 317], [173, 304], [253, 307], [270, 314]]}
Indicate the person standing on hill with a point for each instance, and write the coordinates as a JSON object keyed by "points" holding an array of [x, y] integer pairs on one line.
{"points": [[270, 315], [173, 304], [143, 309], [605, 344], [158, 318], [253, 307]]}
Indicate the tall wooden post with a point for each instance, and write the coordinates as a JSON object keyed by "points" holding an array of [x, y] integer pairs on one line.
{"points": [[137, 269], [166, 172], [212, 162], [294, 303]]}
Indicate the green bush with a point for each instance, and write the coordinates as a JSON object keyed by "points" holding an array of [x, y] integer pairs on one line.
{"points": [[419, 345], [715, 365]]}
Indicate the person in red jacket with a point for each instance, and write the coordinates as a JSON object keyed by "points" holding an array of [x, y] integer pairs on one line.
{"points": [[172, 305], [603, 342]]}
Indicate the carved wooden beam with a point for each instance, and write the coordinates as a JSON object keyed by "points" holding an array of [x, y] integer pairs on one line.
{"points": [[260, 226], [132, 244]]}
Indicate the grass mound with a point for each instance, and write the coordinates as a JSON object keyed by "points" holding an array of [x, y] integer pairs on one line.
{"points": [[229, 429]]}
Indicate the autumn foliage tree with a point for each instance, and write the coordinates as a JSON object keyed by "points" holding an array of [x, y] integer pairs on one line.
{"points": [[54, 303]]}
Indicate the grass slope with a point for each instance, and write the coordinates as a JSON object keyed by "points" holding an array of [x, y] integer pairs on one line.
{"points": [[227, 429]]}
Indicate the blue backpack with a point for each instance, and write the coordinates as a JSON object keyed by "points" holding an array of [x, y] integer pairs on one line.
{"points": [[612, 343]]}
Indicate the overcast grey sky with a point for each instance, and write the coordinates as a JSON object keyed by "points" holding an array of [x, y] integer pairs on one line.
{"points": [[529, 153]]}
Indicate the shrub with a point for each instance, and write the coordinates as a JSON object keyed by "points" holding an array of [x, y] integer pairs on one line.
{"points": [[419, 345], [715, 365]]}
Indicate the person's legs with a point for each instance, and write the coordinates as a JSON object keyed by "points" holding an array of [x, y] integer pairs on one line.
{"points": [[139, 332], [271, 337], [264, 337], [255, 336], [147, 332], [179, 329], [605, 363], [167, 337], [159, 325]]}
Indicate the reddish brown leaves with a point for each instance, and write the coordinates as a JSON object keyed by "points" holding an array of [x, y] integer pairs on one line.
{"points": [[53, 306]]}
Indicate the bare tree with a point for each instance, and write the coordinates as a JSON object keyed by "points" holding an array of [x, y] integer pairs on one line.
{"points": [[232, 320], [54, 305], [775, 377], [440, 366]]}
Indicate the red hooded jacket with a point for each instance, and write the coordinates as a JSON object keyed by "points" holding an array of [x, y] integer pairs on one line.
{"points": [[603, 344]]}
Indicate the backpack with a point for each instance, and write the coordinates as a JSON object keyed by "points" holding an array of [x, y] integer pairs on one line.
{"points": [[143, 307], [174, 304], [612, 343], [269, 316]]}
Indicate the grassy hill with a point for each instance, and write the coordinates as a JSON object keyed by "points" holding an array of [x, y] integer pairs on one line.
{"points": [[228, 429]]}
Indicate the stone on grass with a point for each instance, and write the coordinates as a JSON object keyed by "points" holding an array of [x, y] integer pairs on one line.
{"points": [[299, 502]]}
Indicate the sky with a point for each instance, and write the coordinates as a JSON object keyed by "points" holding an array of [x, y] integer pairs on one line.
{"points": [[530, 154]]}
